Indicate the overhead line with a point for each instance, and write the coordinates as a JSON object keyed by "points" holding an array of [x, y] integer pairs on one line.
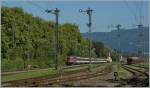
{"points": [[140, 12], [37, 5], [131, 11]]}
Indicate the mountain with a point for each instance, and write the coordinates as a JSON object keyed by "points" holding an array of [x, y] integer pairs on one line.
{"points": [[128, 39]]}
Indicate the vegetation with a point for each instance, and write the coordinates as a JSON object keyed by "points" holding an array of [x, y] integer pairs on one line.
{"points": [[44, 72], [28, 40], [122, 73], [29, 74]]}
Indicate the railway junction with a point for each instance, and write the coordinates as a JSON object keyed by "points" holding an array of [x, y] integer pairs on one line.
{"points": [[101, 76], [49, 58]]}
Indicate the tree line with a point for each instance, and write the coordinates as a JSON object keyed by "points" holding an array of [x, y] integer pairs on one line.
{"points": [[26, 39]]}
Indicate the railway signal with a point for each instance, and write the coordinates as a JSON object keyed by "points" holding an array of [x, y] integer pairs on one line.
{"points": [[118, 36], [119, 49], [89, 13], [56, 13]]}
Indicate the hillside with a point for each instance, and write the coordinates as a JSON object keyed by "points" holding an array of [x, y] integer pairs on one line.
{"points": [[129, 38], [31, 40], [28, 40]]}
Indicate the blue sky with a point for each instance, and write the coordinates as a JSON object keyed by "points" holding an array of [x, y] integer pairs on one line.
{"points": [[105, 12]]}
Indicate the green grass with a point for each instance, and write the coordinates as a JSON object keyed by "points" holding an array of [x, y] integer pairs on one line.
{"points": [[142, 64], [132, 66], [29, 74], [73, 69], [85, 66], [124, 73], [100, 66], [121, 72], [38, 73], [50, 71]]}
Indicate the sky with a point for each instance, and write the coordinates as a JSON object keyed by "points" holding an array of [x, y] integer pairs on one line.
{"points": [[105, 13]]}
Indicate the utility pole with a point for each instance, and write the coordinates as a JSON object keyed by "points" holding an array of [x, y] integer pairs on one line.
{"points": [[119, 49], [89, 13], [141, 42], [56, 13], [118, 36]]}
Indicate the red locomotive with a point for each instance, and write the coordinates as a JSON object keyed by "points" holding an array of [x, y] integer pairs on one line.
{"points": [[129, 61], [133, 60], [70, 60]]}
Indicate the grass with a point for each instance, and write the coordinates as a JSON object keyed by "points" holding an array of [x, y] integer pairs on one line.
{"points": [[132, 66], [142, 64], [50, 71], [122, 73], [100, 66], [37, 73], [85, 66], [29, 74], [73, 69]]}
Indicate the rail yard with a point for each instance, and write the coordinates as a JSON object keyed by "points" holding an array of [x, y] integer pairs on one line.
{"points": [[88, 44], [82, 77]]}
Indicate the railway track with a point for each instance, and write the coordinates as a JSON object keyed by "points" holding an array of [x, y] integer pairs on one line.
{"points": [[79, 77], [57, 79], [134, 71], [82, 65], [140, 66], [32, 80], [139, 78]]}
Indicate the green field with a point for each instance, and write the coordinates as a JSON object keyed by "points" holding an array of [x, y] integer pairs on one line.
{"points": [[29, 74], [38, 73], [45, 72], [122, 73]]}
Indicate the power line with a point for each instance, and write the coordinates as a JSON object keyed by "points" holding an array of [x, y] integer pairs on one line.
{"points": [[37, 5], [140, 12], [131, 11], [138, 16]]}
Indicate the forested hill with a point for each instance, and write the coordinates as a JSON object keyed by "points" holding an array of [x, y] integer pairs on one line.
{"points": [[31, 40], [129, 39]]}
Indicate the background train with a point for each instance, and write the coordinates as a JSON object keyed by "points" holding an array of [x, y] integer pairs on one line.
{"points": [[71, 60], [133, 60]]}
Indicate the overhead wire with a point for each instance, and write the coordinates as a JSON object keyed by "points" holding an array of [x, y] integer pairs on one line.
{"points": [[32, 2], [141, 17], [138, 16], [139, 11], [131, 11]]}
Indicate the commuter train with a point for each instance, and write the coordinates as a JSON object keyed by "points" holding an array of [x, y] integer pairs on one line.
{"points": [[71, 60]]}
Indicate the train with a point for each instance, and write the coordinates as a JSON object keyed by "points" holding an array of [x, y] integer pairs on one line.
{"points": [[72, 60], [133, 60]]}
